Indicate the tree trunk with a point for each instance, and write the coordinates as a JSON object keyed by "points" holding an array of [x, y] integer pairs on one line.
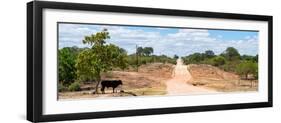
{"points": [[246, 76]]}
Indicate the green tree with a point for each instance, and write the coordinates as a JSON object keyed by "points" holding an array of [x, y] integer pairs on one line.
{"points": [[140, 51], [218, 60], [97, 39], [231, 54], [209, 53], [246, 68], [101, 57], [67, 59], [147, 51], [249, 58], [256, 58], [176, 56], [194, 58]]}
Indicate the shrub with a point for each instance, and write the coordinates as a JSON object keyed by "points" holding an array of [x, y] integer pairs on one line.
{"points": [[74, 87], [61, 87], [218, 60], [246, 68], [143, 61]]}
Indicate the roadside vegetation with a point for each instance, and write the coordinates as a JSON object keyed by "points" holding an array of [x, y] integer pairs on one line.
{"points": [[230, 60], [142, 70], [78, 66]]}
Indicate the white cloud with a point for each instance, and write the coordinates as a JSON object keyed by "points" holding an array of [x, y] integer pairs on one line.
{"points": [[183, 42], [190, 33], [72, 34]]}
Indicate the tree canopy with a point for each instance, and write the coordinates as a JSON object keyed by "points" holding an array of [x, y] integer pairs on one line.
{"points": [[231, 54], [66, 59], [218, 60], [97, 39], [247, 67], [176, 56], [101, 57], [144, 51], [209, 53]]}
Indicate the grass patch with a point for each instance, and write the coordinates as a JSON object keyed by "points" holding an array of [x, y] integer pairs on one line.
{"points": [[148, 91], [74, 87]]}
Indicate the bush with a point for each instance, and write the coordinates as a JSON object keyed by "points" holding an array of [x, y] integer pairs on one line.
{"points": [[61, 87], [246, 68], [143, 61], [74, 87], [149, 59], [218, 61]]}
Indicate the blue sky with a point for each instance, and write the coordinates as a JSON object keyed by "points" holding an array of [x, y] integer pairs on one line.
{"points": [[167, 41]]}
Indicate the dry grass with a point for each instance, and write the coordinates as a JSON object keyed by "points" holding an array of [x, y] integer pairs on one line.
{"points": [[215, 78], [149, 80]]}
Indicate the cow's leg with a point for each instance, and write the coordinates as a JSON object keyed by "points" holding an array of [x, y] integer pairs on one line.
{"points": [[113, 90], [102, 89]]}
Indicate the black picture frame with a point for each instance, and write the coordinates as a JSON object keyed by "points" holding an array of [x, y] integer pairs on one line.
{"points": [[34, 60]]}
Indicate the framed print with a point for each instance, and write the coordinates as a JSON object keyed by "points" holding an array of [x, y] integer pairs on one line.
{"points": [[89, 61]]}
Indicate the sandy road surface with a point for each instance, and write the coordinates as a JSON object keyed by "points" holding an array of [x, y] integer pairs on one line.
{"points": [[178, 84]]}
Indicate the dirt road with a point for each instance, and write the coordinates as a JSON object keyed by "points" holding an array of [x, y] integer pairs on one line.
{"points": [[178, 84]]}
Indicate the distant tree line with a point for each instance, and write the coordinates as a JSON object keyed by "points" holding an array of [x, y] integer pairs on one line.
{"points": [[229, 60], [78, 65], [144, 55], [144, 51]]}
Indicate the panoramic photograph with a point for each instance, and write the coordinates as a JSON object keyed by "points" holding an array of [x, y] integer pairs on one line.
{"points": [[98, 61]]}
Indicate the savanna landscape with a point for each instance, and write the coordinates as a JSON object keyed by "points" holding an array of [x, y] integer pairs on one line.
{"points": [[100, 61]]}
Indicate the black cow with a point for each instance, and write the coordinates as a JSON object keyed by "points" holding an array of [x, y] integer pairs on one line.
{"points": [[110, 83]]}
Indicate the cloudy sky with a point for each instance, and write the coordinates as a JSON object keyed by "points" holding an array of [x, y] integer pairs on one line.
{"points": [[168, 41]]}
